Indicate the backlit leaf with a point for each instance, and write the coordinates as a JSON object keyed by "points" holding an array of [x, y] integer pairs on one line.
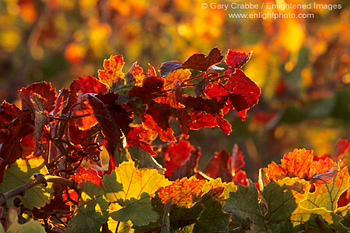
{"points": [[244, 203], [202, 62], [28, 227], [44, 90], [137, 74], [183, 192], [327, 194], [112, 72], [219, 166], [175, 154], [92, 210], [283, 197], [20, 173], [127, 182], [188, 167], [14, 126], [341, 147], [139, 211], [293, 164], [180, 75], [236, 59], [212, 218]]}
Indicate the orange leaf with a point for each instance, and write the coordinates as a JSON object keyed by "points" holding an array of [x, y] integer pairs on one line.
{"points": [[293, 164], [112, 70], [184, 192]]}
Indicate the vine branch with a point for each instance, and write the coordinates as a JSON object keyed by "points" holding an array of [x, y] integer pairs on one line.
{"points": [[38, 179]]}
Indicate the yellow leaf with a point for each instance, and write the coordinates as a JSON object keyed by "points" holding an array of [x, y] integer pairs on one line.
{"points": [[134, 182], [179, 74]]}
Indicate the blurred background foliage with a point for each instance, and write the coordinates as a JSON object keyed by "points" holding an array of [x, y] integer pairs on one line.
{"points": [[302, 65]]}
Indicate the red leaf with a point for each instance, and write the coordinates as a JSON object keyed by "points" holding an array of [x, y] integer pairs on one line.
{"points": [[239, 92], [44, 90], [188, 167], [82, 174], [219, 166], [137, 74], [113, 119], [175, 154], [341, 147], [151, 87], [164, 135], [141, 137], [88, 84], [14, 126], [160, 113], [151, 71], [202, 62], [237, 161], [197, 61], [241, 178], [236, 59], [293, 164]]}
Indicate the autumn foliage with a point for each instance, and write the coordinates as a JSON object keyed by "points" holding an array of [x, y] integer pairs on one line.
{"points": [[53, 178]]}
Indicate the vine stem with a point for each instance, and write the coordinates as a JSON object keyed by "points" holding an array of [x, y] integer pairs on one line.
{"points": [[38, 179]]}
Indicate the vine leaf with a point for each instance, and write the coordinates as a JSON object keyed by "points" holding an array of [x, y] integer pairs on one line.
{"points": [[22, 172], [310, 216], [239, 93], [127, 182], [92, 210], [44, 90], [114, 121], [14, 226], [112, 72], [293, 164], [219, 166], [341, 147], [327, 194], [88, 84], [183, 192], [139, 211], [236, 59], [202, 62], [244, 203], [197, 61], [90, 174], [188, 168], [212, 218], [180, 75], [282, 198], [15, 125], [142, 159], [137, 74], [175, 154], [131, 189]]}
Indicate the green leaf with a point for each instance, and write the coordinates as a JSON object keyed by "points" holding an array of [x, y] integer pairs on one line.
{"points": [[312, 218], [92, 210], [282, 198], [140, 211], [22, 172], [28, 227], [166, 217], [181, 217], [143, 159], [244, 203], [212, 218], [2, 229]]}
